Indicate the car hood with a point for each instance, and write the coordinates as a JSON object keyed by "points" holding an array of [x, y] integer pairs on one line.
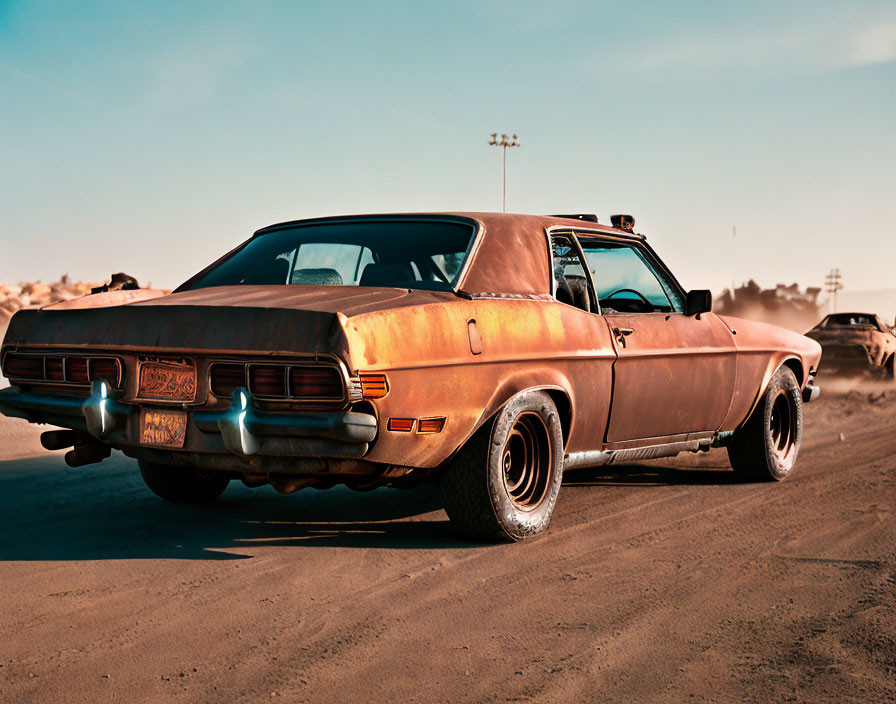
{"points": [[252, 319]]}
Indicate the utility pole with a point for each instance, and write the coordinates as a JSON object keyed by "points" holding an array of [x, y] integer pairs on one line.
{"points": [[504, 142], [733, 256], [832, 284]]}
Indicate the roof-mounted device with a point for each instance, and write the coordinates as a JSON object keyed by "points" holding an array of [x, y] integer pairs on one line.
{"points": [[623, 222]]}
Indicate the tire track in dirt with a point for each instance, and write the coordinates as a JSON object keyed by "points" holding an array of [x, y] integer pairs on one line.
{"points": [[657, 582]]}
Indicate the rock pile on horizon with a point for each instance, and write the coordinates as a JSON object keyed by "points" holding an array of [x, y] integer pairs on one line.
{"points": [[13, 297]]}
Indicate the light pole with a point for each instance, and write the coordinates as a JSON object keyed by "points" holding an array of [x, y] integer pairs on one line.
{"points": [[832, 284], [733, 256], [504, 142]]}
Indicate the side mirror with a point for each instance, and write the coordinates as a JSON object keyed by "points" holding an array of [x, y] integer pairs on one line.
{"points": [[699, 301]]}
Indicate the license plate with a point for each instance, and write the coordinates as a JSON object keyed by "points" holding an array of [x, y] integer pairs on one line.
{"points": [[167, 380], [163, 428]]}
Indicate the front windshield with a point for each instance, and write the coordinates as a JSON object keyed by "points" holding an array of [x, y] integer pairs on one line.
{"points": [[846, 320], [414, 254]]}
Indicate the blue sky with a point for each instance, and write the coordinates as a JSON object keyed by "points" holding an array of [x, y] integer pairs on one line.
{"points": [[152, 137]]}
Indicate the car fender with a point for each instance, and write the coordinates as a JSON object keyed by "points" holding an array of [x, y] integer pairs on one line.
{"points": [[761, 350], [551, 380], [775, 363]]}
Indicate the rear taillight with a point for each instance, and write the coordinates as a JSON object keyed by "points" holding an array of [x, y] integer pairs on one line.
{"points": [[304, 382], [315, 382], [267, 380], [102, 368], [64, 369], [23, 366], [224, 378], [76, 370], [55, 369]]}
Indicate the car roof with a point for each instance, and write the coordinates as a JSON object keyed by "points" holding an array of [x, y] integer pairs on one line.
{"points": [[494, 265], [496, 220]]}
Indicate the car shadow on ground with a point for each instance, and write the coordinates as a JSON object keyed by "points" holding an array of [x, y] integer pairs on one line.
{"points": [[652, 475], [105, 512]]}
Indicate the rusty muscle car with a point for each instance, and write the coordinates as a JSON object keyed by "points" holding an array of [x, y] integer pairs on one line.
{"points": [[855, 343], [487, 351]]}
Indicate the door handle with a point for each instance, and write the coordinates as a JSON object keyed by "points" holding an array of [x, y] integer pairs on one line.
{"points": [[621, 334]]}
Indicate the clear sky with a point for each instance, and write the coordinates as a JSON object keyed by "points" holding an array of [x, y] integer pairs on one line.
{"points": [[152, 137]]}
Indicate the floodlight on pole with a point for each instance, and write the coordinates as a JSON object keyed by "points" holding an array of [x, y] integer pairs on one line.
{"points": [[503, 142]]}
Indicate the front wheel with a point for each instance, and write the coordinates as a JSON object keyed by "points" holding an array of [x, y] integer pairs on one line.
{"points": [[765, 448], [182, 485], [503, 484]]}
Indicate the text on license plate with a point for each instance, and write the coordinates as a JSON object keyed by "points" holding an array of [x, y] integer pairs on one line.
{"points": [[167, 380], [163, 428]]}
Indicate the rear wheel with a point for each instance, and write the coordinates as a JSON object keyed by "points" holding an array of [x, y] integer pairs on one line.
{"points": [[503, 484], [766, 447], [182, 485]]}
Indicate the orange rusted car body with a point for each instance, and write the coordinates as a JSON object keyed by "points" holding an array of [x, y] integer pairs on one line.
{"points": [[674, 382], [855, 343]]}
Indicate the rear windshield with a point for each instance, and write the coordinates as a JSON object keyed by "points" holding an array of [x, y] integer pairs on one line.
{"points": [[415, 254]]}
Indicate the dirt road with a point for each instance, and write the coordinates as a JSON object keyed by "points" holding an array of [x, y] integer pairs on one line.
{"points": [[656, 583]]}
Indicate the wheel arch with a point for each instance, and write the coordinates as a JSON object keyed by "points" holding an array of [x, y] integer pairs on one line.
{"points": [[564, 410], [553, 382], [796, 366], [793, 363]]}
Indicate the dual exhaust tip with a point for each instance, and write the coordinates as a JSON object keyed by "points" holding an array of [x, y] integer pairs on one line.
{"points": [[85, 450]]}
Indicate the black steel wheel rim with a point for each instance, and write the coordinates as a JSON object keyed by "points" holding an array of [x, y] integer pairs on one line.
{"points": [[527, 461], [782, 427]]}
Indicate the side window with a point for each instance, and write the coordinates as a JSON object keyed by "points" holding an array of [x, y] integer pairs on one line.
{"points": [[626, 282], [570, 283]]}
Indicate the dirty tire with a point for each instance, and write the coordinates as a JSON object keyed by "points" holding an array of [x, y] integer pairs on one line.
{"points": [[503, 484], [766, 447], [182, 485]]}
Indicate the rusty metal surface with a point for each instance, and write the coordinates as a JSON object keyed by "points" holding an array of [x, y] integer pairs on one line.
{"points": [[854, 347], [109, 298], [761, 349], [433, 372], [675, 374], [460, 356], [504, 237]]}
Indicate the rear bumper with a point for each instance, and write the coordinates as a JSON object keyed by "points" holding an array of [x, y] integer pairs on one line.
{"points": [[245, 431], [239, 430]]}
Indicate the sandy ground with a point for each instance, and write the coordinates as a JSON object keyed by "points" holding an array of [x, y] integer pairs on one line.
{"points": [[662, 582]]}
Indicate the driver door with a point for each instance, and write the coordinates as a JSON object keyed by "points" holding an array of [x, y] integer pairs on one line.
{"points": [[674, 374]]}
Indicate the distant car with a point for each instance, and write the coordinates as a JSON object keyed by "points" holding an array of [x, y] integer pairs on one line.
{"points": [[855, 343], [489, 351]]}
